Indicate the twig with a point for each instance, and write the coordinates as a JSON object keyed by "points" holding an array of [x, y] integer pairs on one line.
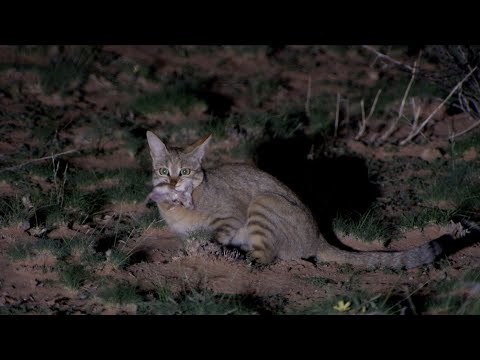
{"points": [[59, 189], [361, 130], [416, 111], [309, 93], [416, 131], [15, 167], [374, 104], [337, 115], [347, 111], [463, 132], [394, 123], [386, 57], [363, 125]]}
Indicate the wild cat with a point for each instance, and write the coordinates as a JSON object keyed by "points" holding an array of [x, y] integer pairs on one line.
{"points": [[250, 209]]}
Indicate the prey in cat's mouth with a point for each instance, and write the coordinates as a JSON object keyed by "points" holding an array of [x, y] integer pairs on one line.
{"points": [[178, 196]]}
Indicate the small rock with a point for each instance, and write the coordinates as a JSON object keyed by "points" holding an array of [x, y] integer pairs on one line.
{"points": [[470, 154], [24, 225], [430, 154], [37, 231]]}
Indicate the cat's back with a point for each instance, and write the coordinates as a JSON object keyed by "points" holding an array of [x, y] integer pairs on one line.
{"points": [[242, 181]]}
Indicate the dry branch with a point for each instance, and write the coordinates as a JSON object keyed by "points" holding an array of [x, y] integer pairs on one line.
{"points": [[388, 58], [309, 94], [394, 123], [15, 167], [463, 132], [363, 125], [415, 131], [337, 115]]}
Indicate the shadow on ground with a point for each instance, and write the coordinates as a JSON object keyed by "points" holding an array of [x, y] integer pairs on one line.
{"points": [[328, 186]]}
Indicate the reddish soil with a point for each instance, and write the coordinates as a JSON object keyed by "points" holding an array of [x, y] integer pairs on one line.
{"points": [[33, 284]]}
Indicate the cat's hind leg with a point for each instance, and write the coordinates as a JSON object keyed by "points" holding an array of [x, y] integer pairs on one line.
{"points": [[266, 227], [225, 228]]}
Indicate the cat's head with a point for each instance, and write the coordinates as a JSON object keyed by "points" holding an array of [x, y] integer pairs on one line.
{"points": [[180, 168]]}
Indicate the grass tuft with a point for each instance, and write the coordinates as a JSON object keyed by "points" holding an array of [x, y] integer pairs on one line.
{"points": [[122, 293]]}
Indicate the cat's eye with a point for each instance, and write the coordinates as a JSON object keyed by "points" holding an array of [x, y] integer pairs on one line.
{"points": [[163, 171], [185, 171]]}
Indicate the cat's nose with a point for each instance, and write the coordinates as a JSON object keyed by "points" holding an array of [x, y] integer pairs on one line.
{"points": [[173, 181]]}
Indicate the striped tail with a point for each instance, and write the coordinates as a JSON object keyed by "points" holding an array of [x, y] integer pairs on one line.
{"points": [[461, 236]]}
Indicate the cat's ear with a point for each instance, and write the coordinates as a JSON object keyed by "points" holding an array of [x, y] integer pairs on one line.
{"points": [[157, 147], [197, 149]]}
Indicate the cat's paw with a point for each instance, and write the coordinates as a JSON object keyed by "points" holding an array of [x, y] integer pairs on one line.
{"points": [[260, 257]]}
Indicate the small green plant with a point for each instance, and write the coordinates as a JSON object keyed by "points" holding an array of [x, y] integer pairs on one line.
{"points": [[459, 184], [13, 211], [163, 293], [78, 247], [165, 100], [23, 309], [321, 114], [49, 247], [85, 203], [369, 227], [73, 276], [359, 303], [131, 185], [419, 219], [118, 258], [20, 252], [181, 91], [461, 145], [456, 296], [206, 303], [218, 127], [71, 65], [263, 88], [122, 293], [197, 302]]}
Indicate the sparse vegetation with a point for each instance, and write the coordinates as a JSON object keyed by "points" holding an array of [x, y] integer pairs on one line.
{"points": [[457, 296], [13, 211], [415, 220], [78, 222], [118, 258], [459, 185], [197, 302], [368, 227], [73, 276], [122, 293], [19, 252], [359, 303]]}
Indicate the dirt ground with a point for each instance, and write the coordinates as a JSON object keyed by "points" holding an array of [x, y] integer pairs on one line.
{"points": [[96, 103]]}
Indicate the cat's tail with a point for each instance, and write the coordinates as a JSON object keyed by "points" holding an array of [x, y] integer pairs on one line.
{"points": [[460, 235]]}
